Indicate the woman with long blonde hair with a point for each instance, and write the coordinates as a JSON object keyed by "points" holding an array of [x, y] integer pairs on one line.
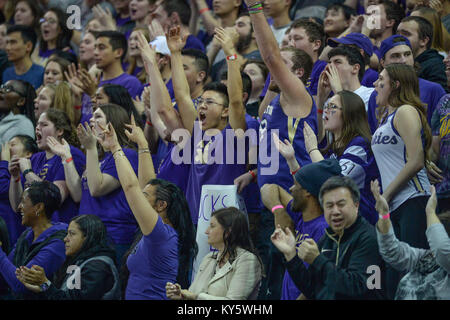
{"points": [[135, 65]]}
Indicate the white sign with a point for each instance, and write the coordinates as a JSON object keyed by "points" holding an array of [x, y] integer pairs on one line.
{"points": [[213, 198]]}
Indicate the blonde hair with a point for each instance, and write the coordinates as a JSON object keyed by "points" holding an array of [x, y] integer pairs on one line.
{"points": [[63, 100]]}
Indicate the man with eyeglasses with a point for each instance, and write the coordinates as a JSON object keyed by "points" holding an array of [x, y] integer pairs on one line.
{"points": [[20, 42]]}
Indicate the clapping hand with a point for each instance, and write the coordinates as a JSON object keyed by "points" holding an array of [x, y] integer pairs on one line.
{"points": [[104, 17], [285, 148], [381, 204], [148, 53], [136, 134], [86, 136], [60, 149], [285, 242], [310, 138], [173, 291], [226, 42], [109, 139], [32, 277], [155, 29]]}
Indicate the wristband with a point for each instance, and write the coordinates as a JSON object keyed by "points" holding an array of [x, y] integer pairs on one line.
{"points": [[77, 107], [17, 180], [67, 160], [232, 57], [277, 207], [120, 149], [320, 111], [295, 171], [149, 123], [25, 172], [201, 11], [253, 175], [309, 152], [385, 217]]}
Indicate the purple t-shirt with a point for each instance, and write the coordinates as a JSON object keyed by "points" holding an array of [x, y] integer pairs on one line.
{"points": [[113, 208], [313, 80], [178, 174], [53, 170], [153, 263], [214, 173], [430, 93], [313, 229], [274, 118], [370, 76], [12, 219], [131, 83]]}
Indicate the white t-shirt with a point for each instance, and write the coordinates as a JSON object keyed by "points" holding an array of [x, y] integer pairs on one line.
{"points": [[364, 93], [279, 32]]}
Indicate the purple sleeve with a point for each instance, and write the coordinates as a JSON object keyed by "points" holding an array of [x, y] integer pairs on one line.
{"points": [[58, 170], [110, 165], [4, 177], [158, 235], [51, 257]]}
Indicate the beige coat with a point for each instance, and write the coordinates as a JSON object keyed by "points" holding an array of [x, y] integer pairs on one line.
{"points": [[237, 281]]}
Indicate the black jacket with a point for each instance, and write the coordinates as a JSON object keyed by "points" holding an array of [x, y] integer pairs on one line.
{"points": [[341, 269], [432, 67], [97, 278]]}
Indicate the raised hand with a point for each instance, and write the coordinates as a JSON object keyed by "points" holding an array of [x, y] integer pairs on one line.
{"points": [[148, 54], [60, 149], [285, 149], [381, 204], [175, 41], [86, 136], [224, 37], [310, 138], [155, 29], [75, 83], [89, 83], [284, 241], [334, 78], [136, 134], [109, 139]]}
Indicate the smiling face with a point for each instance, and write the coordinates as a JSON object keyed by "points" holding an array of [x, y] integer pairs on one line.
{"points": [[74, 239], [383, 88], [50, 28], [23, 14], [44, 129], [87, 48], [53, 73], [43, 101], [335, 22], [212, 111], [339, 209], [27, 210], [332, 115], [215, 233]]}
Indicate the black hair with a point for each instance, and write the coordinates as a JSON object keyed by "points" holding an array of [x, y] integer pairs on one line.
{"points": [[26, 33], [219, 88], [246, 82], [424, 28], [179, 215], [119, 95], [201, 60], [393, 11], [4, 237], [235, 232], [29, 93], [352, 55], [181, 7], [348, 11], [47, 193], [96, 241], [69, 56], [339, 182], [29, 144], [65, 34], [116, 39]]}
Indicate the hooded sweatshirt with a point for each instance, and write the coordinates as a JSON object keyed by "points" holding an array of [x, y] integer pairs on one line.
{"points": [[50, 257], [432, 67]]}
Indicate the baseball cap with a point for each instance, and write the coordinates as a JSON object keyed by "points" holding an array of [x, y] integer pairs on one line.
{"points": [[160, 44], [391, 42], [358, 39]]}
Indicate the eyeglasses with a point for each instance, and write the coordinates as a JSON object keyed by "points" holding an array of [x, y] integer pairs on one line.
{"points": [[50, 21], [208, 102], [331, 106], [8, 88]]}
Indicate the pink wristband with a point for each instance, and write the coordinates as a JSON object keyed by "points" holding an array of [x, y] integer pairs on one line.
{"points": [[386, 216], [277, 207]]}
